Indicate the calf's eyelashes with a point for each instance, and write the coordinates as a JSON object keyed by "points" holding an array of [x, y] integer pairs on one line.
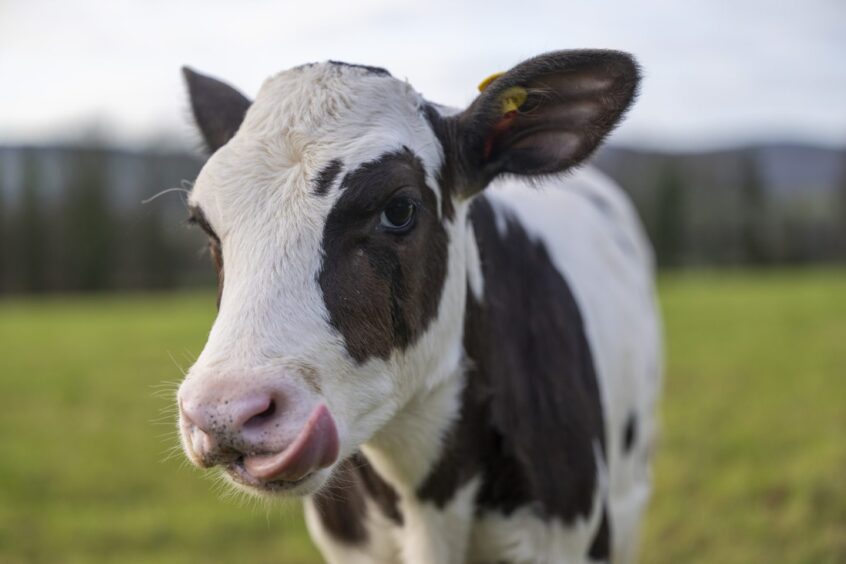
{"points": [[198, 218]]}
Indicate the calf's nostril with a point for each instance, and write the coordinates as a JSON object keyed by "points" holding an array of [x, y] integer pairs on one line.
{"points": [[259, 419], [192, 416]]}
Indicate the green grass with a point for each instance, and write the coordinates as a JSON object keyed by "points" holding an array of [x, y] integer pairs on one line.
{"points": [[752, 461], [751, 465]]}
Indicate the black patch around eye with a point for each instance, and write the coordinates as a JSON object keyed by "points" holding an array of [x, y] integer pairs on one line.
{"points": [[382, 291]]}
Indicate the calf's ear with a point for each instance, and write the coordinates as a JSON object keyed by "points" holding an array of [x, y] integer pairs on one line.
{"points": [[218, 108], [545, 115]]}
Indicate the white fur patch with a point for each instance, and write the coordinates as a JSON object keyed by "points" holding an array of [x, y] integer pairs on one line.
{"points": [[475, 278], [440, 535]]}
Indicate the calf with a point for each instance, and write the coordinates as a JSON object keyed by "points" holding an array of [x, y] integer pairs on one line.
{"points": [[449, 349]]}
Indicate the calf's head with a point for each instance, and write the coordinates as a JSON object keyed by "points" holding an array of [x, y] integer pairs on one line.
{"points": [[336, 209]]}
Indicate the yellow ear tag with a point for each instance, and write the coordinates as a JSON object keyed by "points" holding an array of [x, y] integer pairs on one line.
{"points": [[487, 82], [511, 99]]}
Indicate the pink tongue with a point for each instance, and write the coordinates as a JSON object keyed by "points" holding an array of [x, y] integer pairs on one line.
{"points": [[315, 447]]}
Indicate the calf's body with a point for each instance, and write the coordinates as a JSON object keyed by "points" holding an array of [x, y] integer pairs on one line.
{"points": [[549, 423], [446, 346]]}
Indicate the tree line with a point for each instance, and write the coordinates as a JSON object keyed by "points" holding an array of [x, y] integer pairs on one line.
{"points": [[73, 218], [750, 207]]}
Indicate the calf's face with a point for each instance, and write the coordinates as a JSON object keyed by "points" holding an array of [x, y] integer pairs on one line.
{"points": [[335, 205]]}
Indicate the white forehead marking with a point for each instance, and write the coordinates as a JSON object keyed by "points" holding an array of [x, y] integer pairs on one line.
{"points": [[301, 120]]}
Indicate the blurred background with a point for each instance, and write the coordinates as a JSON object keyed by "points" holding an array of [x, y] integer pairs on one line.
{"points": [[735, 156]]}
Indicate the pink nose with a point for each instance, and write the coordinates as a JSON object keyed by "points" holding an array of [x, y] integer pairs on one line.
{"points": [[220, 430], [249, 412], [258, 436]]}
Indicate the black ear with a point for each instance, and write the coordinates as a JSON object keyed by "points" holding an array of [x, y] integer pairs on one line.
{"points": [[218, 108], [545, 115]]}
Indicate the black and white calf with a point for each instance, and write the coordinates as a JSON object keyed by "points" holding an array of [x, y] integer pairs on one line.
{"points": [[448, 348]]}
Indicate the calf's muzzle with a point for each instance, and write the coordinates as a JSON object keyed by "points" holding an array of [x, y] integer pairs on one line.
{"points": [[277, 433]]}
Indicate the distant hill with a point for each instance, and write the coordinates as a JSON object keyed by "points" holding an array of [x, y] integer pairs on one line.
{"points": [[787, 169]]}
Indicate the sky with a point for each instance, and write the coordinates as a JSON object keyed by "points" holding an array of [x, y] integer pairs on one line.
{"points": [[716, 73]]}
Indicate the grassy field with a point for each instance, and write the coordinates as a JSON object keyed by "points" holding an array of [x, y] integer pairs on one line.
{"points": [[751, 468]]}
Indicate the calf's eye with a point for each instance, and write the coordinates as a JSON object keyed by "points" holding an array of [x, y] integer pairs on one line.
{"points": [[398, 216]]}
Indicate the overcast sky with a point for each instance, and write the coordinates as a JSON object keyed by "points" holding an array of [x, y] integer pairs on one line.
{"points": [[716, 72]]}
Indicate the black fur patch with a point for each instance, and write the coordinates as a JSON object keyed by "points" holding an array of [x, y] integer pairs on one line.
{"points": [[379, 490], [382, 289], [372, 70], [629, 434], [531, 410], [600, 548], [326, 177], [341, 506]]}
